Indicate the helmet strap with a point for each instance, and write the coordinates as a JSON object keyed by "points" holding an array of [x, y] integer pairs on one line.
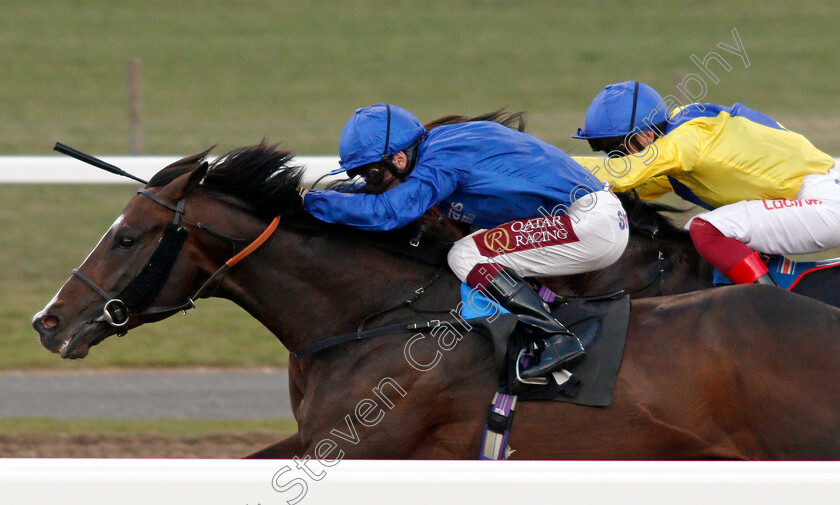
{"points": [[411, 162], [387, 133], [410, 152], [638, 145], [386, 160], [633, 113]]}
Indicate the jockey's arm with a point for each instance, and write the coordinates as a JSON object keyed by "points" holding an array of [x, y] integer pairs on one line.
{"points": [[667, 156], [654, 188], [392, 209]]}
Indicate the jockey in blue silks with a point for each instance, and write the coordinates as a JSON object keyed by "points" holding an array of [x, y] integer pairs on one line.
{"points": [[537, 212]]}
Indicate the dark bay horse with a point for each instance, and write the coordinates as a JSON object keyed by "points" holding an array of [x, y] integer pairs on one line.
{"points": [[660, 259], [745, 372]]}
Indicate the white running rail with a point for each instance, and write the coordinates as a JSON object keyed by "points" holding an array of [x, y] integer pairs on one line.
{"points": [[234, 482], [60, 169]]}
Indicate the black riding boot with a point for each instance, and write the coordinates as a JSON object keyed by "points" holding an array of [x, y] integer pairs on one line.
{"points": [[561, 347]]}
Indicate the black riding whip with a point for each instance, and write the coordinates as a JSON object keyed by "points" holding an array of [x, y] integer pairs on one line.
{"points": [[91, 160]]}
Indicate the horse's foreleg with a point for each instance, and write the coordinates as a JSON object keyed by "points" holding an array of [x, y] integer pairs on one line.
{"points": [[285, 449]]}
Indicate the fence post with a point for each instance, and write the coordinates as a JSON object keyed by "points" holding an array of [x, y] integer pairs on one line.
{"points": [[135, 106]]}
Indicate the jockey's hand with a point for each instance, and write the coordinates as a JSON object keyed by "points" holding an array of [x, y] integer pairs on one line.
{"points": [[301, 193]]}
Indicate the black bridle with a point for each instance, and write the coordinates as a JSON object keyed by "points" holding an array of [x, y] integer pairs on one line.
{"points": [[137, 297], [144, 288], [651, 230]]}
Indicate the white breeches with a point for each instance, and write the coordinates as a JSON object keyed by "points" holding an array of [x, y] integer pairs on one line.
{"points": [[809, 224], [592, 235]]}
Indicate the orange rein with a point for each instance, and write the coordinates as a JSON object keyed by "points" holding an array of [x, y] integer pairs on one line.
{"points": [[255, 244]]}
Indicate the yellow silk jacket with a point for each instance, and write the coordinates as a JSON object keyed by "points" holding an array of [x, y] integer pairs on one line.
{"points": [[713, 155]]}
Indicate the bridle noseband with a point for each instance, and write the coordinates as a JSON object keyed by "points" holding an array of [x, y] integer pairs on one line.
{"points": [[137, 297]]}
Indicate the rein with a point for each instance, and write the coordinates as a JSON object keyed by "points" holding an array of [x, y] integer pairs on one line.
{"points": [[138, 295], [366, 334], [652, 230], [660, 274], [361, 334]]}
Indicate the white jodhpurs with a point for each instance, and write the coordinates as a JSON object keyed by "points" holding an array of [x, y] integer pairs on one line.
{"points": [[591, 236], [809, 224]]}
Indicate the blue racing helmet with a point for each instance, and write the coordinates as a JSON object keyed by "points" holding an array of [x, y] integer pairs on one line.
{"points": [[374, 133], [620, 108]]}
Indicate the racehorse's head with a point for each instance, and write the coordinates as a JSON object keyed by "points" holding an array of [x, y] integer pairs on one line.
{"points": [[123, 276], [151, 262]]}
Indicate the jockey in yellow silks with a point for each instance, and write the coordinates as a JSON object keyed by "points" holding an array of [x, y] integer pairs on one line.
{"points": [[766, 188]]}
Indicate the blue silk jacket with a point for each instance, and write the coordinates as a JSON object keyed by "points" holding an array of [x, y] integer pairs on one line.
{"points": [[481, 173]]}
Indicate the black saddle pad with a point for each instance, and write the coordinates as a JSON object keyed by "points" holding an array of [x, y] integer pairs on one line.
{"points": [[820, 284], [602, 327]]}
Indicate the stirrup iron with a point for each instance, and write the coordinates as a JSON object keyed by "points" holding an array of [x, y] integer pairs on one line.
{"points": [[537, 381]]}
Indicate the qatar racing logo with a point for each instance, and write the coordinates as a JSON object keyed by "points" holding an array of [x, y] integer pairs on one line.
{"points": [[497, 239], [525, 234]]}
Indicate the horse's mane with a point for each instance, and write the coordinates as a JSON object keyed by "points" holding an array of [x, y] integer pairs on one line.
{"points": [[260, 175], [263, 177], [513, 120], [644, 216]]}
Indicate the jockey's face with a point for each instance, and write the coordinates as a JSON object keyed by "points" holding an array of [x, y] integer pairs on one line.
{"points": [[618, 146], [638, 142], [378, 178]]}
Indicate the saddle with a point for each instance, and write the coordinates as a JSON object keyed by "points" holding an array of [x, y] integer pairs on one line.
{"points": [[600, 324]]}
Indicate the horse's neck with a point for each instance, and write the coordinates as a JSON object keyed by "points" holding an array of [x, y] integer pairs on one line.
{"points": [[683, 269], [305, 288], [638, 269]]}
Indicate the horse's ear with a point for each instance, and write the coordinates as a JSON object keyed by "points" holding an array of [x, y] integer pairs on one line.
{"points": [[195, 179], [185, 184]]}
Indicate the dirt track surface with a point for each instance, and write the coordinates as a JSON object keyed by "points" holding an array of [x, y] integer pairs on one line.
{"points": [[39, 445]]}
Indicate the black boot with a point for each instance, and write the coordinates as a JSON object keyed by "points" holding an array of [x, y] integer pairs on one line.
{"points": [[561, 347]]}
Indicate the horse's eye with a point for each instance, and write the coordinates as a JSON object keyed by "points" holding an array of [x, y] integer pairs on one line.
{"points": [[126, 242]]}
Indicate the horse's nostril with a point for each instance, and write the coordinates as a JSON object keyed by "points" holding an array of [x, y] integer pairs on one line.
{"points": [[50, 322]]}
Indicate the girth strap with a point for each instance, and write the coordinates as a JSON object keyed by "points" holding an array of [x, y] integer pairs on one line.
{"points": [[499, 422]]}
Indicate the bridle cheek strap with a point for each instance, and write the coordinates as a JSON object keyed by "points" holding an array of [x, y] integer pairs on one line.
{"points": [[139, 294], [147, 285], [143, 289]]}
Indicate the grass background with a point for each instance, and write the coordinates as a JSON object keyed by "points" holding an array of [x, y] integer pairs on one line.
{"points": [[234, 72], [47, 231]]}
